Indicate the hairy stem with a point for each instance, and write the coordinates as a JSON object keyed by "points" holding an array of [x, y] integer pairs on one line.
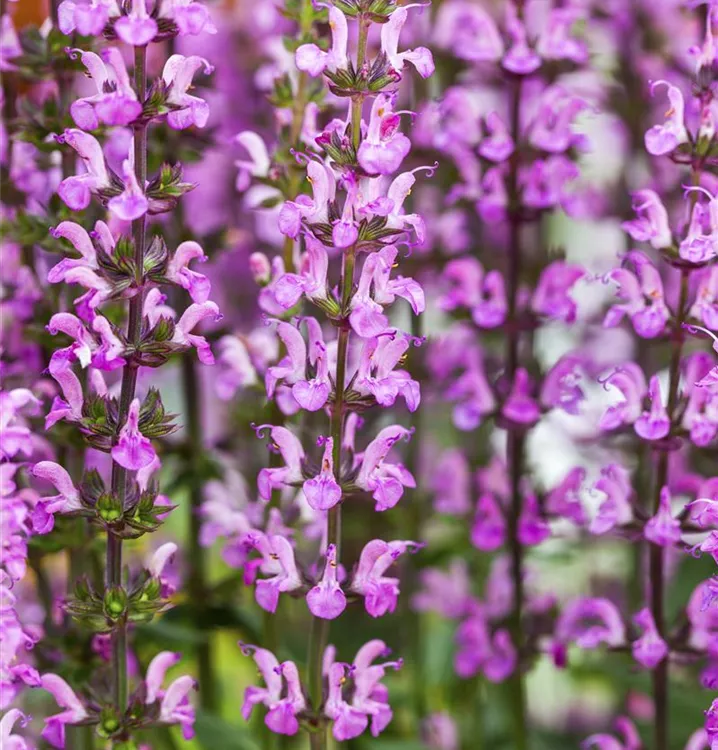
{"points": [[515, 445], [320, 628], [113, 570], [656, 552]]}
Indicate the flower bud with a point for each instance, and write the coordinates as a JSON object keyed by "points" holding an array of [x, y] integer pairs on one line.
{"points": [[259, 268]]}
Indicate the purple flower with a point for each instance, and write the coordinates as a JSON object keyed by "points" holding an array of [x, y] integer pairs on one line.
{"points": [[705, 306], [560, 388], [191, 317], [653, 424], [178, 271], [519, 58], [420, 57], [701, 241], [631, 738], [564, 501], [557, 40], [663, 529], [66, 501], [75, 712], [293, 454], [370, 698], [136, 28], [282, 712], [70, 407], [307, 209], [383, 480], [484, 294], [377, 376], [379, 591], [311, 394], [642, 297], [312, 60], [447, 593], [589, 622], [77, 191], [311, 279], [650, 649], [520, 407], [277, 560], [87, 18], [616, 509], [451, 483], [383, 149], [132, 202], [651, 222], [9, 740], [322, 491], [532, 529], [552, 297], [115, 102], [185, 110], [326, 600], [551, 128], [630, 382], [488, 531], [468, 32], [438, 730], [499, 144], [174, 707], [663, 139], [133, 450]]}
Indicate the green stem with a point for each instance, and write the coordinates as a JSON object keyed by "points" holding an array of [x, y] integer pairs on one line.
{"points": [[113, 570]]}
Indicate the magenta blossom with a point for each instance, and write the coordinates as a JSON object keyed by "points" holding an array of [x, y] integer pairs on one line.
{"points": [[174, 705], [282, 712], [133, 450], [75, 711], [379, 591], [327, 600]]}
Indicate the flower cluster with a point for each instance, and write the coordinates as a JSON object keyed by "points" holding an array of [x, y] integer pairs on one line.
{"points": [[118, 266], [355, 218]]}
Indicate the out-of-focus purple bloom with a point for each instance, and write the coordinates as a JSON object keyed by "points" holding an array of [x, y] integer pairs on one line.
{"points": [[650, 649], [665, 138]]}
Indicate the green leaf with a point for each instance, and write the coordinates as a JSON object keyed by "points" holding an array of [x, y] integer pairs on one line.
{"points": [[214, 732]]}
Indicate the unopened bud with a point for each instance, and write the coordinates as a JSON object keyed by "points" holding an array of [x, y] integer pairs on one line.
{"points": [[260, 268], [115, 603]]}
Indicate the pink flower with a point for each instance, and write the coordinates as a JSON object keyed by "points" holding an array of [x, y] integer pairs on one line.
{"points": [[312, 60], [663, 529], [663, 139], [655, 423], [136, 28], [115, 102], [385, 481], [282, 712], [174, 707], [75, 712], [66, 501], [379, 591], [322, 491], [185, 110], [650, 649], [383, 148], [133, 450], [420, 57], [326, 600]]}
